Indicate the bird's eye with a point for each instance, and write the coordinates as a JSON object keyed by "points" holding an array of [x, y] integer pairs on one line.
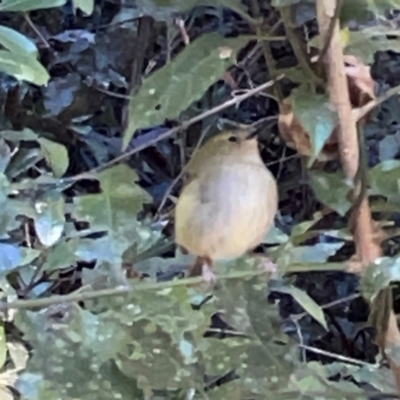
{"points": [[233, 139]]}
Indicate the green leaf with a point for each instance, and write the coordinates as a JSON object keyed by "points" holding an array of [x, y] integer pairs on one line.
{"points": [[366, 42], [49, 219], [332, 190], [12, 257], [380, 6], [354, 10], [62, 255], [167, 332], [3, 346], [309, 305], [384, 180], [9, 208], [318, 253], [361, 10], [118, 204], [5, 155], [23, 67], [25, 134], [379, 275], [114, 211], [284, 3], [87, 6], [22, 161], [244, 305], [18, 354], [71, 352], [301, 228], [16, 42], [316, 115], [164, 10], [56, 156], [21, 58], [174, 87], [29, 5], [275, 235]]}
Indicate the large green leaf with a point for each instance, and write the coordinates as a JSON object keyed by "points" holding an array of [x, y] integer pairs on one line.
{"points": [[366, 42], [5, 155], [72, 356], [264, 366], [379, 275], [29, 5], [20, 58], [49, 219], [16, 42], [332, 190], [360, 10], [56, 156], [114, 212], [87, 6], [172, 88], [3, 346], [62, 255], [316, 115], [284, 3], [23, 67], [164, 10], [309, 305], [24, 159], [384, 180], [12, 257], [118, 204], [318, 253], [380, 6], [9, 208]]}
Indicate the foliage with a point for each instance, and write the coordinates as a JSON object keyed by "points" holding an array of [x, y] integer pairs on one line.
{"points": [[71, 224]]}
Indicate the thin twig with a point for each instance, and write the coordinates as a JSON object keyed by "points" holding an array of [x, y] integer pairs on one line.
{"points": [[236, 100], [118, 291], [36, 30], [338, 356], [327, 305], [361, 112]]}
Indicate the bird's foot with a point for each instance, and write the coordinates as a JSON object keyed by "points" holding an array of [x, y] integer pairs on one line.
{"points": [[202, 267], [207, 274], [267, 265]]}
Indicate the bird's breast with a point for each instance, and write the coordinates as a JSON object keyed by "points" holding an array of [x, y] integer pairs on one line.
{"points": [[225, 212]]}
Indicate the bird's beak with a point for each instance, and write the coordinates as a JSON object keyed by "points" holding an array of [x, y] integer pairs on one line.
{"points": [[253, 132]]}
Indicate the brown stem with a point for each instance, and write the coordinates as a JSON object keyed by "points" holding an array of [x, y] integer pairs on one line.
{"points": [[145, 144], [367, 248]]}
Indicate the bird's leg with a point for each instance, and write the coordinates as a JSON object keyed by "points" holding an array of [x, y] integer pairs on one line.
{"points": [[202, 266], [207, 273], [266, 264]]}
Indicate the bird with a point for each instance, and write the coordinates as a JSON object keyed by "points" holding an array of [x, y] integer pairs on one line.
{"points": [[228, 202]]}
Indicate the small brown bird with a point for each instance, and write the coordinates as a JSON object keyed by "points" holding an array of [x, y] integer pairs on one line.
{"points": [[229, 201]]}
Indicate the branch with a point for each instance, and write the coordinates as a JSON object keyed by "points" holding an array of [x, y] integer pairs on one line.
{"points": [[80, 295], [165, 135], [367, 248]]}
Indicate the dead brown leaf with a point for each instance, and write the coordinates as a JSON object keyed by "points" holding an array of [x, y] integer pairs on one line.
{"points": [[361, 90]]}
